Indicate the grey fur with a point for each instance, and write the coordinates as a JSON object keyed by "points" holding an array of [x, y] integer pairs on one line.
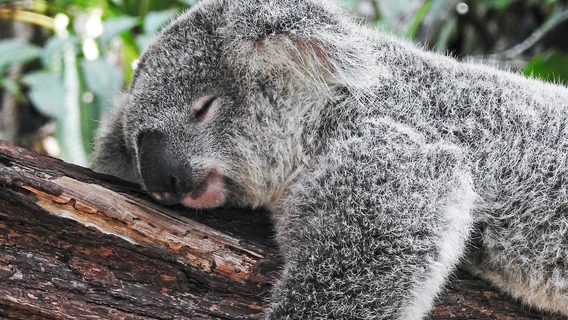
{"points": [[380, 162]]}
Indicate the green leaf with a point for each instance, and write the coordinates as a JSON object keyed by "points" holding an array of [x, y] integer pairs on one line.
{"points": [[190, 3], [551, 66], [400, 17], [103, 79], [446, 33], [68, 132], [500, 4], [16, 51], [129, 54], [13, 88], [155, 21], [90, 116], [145, 40], [47, 92], [351, 4], [52, 53], [115, 26], [415, 23]]}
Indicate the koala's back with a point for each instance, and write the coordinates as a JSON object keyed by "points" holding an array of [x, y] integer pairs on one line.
{"points": [[515, 134]]}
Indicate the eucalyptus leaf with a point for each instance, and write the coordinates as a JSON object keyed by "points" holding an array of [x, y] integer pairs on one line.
{"points": [[500, 4], [90, 111], [155, 21], [145, 40], [418, 18], [446, 33], [115, 26], [17, 51], [437, 10], [52, 53], [47, 92], [352, 4], [190, 3], [551, 66], [12, 87], [103, 79], [396, 15], [129, 53]]}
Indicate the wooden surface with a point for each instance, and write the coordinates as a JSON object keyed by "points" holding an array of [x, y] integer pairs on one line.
{"points": [[78, 245]]}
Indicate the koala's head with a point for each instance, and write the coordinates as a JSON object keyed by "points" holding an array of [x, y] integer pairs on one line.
{"points": [[210, 116]]}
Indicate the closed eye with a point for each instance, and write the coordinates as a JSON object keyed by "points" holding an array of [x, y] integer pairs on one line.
{"points": [[202, 107]]}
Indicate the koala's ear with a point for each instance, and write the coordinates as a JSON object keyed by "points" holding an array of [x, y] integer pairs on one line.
{"points": [[307, 38]]}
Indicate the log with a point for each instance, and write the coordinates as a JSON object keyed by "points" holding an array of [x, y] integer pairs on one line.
{"points": [[75, 244]]}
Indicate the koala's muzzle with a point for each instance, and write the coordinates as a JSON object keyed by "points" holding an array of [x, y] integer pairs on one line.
{"points": [[162, 171]]}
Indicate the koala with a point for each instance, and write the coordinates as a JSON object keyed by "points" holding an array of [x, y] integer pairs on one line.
{"points": [[384, 166]]}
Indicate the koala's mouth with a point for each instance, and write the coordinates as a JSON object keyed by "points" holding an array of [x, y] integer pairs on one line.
{"points": [[210, 193]]}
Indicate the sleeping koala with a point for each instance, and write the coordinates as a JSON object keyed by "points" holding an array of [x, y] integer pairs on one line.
{"points": [[378, 161]]}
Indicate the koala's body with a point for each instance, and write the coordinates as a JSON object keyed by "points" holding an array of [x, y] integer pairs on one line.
{"points": [[383, 165]]}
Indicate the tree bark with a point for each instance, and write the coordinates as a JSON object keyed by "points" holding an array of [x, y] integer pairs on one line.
{"points": [[75, 244]]}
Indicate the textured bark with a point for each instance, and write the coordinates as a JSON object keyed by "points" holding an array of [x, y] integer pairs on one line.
{"points": [[75, 244]]}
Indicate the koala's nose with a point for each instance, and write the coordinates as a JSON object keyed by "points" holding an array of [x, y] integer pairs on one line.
{"points": [[163, 173]]}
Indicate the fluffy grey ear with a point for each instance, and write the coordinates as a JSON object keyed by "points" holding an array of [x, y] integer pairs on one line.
{"points": [[310, 39], [256, 20]]}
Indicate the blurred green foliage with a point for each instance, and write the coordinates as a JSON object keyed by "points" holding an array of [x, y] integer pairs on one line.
{"points": [[551, 66], [85, 63], [87, 49]]}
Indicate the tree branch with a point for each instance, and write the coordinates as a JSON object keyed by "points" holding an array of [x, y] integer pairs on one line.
{"points": [[76, 244], [552, 23]]}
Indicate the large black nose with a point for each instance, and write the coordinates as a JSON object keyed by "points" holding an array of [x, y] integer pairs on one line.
{"points": [[162, 169]]}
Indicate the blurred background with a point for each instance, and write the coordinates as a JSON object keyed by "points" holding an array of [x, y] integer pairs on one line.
{"points": [[64, 62]]}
